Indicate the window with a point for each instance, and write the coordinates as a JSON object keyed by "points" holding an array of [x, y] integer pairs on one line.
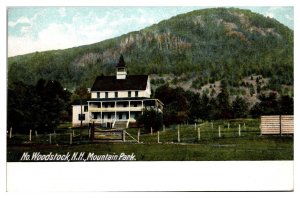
{"points": [[95, 115], [85, 108], [98, 94], [106, 94], [129, 94], [116, 94], [136, 93], [120, 116], [81, 116], [108, 116]]}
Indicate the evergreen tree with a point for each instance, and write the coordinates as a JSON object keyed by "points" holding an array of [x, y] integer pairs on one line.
{"points": [[268, 105], [240, 108], [223, 103], [286, 105]]}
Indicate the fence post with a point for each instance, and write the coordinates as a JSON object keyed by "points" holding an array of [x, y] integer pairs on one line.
{"points": [[71, 138], [244, 126], [219, 131], [50, 138], [151, 131], [157, 136], [239, 130], [164, 128], [138, 136], [30, 135], [73, 133], [178, 134], [195, 127], [228, 125], [199, 134], [10, 132], [124, 136], [260, 130], [35, 132]]}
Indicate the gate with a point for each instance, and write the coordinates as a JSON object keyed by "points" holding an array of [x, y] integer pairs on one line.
{"points": [[98, 134], [109, 135]]}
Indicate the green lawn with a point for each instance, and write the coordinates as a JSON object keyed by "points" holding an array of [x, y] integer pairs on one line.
{"points": [[230, 146]]}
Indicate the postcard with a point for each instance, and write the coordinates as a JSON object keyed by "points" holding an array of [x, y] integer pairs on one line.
{"points": [[187, 87]]}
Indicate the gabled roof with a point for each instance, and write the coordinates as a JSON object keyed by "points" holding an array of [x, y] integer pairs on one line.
{"points": [[111, 83]]}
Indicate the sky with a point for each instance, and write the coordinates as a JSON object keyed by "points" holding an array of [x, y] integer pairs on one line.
{"points": [[32, 29]]}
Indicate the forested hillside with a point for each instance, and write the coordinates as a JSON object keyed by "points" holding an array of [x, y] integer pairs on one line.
{"points": [[205, 45]]}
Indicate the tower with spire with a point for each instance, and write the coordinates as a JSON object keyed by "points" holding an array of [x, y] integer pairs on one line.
{"points": [[121, 69]]}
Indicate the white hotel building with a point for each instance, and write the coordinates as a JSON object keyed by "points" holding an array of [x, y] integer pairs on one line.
{"points": [[116, 101]]}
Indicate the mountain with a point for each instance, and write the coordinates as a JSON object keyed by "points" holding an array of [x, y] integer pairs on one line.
{"points": [[206, 46]]}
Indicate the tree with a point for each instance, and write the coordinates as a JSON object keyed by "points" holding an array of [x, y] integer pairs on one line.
{"points": [[286, 105], [205, 108], [176, 108], [40, 107], [223, 103], [240, 108], [21, 107], [82, 92], [251, 89], [53, 101], [194, 106], [268, 105], [151, 118]]}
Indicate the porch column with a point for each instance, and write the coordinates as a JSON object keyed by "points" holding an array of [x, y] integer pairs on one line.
{"points": [[89, 113], [115, 110], [101, 112], [129, 110]]}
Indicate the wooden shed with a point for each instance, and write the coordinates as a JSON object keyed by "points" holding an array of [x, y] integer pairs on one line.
{"points": [[277, 125]]}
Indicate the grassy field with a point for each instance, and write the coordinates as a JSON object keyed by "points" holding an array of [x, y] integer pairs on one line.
{"points": [[229, 146]]}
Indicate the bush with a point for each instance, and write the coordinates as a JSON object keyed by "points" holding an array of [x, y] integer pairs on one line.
{"points": [[151, 118]]}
